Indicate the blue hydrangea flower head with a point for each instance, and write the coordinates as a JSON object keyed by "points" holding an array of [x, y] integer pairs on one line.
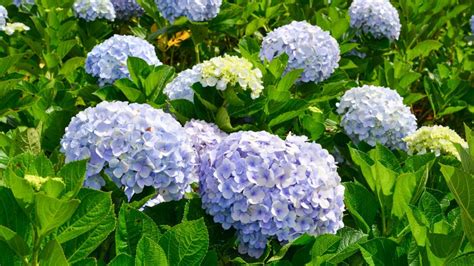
{"points": [[19, 3], [266, 187], [472, 24], [126, 9], [308, 47], [108, 61], [3, 17], [91, 10], [194, 10], [376, 114], [377, 17], [219, 72], [136, 145]]}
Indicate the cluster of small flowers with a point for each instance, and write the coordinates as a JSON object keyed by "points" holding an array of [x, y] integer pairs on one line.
{"points": [[91, 10], [3, 17], [377, 17], [19, 3], [376, 114], [126, 9], [308, 47], [136, 145], [436, 139], [108, 60], [194, 10], [266, 187], [472, 24], [220, 72]]}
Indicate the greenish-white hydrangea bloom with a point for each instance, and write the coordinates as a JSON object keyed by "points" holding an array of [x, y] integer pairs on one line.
{"points": [[436, 139]]}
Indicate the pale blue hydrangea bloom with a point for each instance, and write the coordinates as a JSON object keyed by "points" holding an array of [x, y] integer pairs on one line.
{"points": [[3, 17], [472, 24], [194, 10], [136, 145], [125, 9], [266, 187], [19, 3], [108, 60], [377, 17], [376, 114], [181, 86], [308, 47], [91, 10]]}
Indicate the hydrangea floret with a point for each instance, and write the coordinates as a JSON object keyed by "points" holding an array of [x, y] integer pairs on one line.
{"points": [[220, 72], [136, 145], [377, 17], [126, 9], [91, 10], [3, 17], [308, 47], [19, 3], [266, 187], [376, 114], [472, 24], [194, 10], [436, 139], [108, 61]]}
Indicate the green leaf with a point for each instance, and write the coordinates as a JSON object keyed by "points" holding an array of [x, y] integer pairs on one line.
{"points": [[14, 241], [460, 184], [462, 260], [418, 229], [53, 255], [156, 81], [361, 203], [73, 175], [129, 90], [71, 65], [423, 49], [86, 262], [132, 226], [138, 68], [379, 251], [282, 90], [223, 119], [443, 246], [186, 243], [95, 206], [149, 253], [52, 213], [122, 260], [365, 163], [28, 140], [9, 61]]}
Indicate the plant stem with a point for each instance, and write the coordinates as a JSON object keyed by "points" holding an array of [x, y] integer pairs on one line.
{"points": [[36, 248]]}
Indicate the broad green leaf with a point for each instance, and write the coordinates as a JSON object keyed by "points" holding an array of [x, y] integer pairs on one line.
{"points": [[9, 61], [149, 253], [53, 187], [462, 260], [423, 49], [52, 213], [21, 189], [223, 119], [156, 81], [122, 260], [95, 206], [71, 65], [417, 226], [52, 254], [442, 245], [86, 262], [406, 190], [365, 163], [138, 68], [129, 90], [132, 226], [323, 244], [28, 163], [14, 241], [28, 140], [379, 251], [73, 175], [362, 204], [186, 243]]}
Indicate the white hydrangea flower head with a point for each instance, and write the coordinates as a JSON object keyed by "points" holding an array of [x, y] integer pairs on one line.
{"points": [[376, 114], [108, 60], [220, 72], [266, 187], [308, 47], [436, 139], [377, 17], [91, 10], [194, 10], [11, 28], [136, 145]]}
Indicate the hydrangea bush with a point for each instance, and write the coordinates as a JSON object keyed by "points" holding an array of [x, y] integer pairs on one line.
{"points": [[308, 47], [220, 72], [108, 61], [194, 10], [436, 139], [125, 9], [266, 187], [377, 17], [376, 114], [91, 10], [136, 145]]}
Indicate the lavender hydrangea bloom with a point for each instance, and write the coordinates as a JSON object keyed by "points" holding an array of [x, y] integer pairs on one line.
{"points": [[181, 86], [194, 10], [472, 24], [91, 10], [308, 47], [3, 17], [108, 60], [136, 145], [19, 3], [126, 9], [376, 114], [377, 17], [266, 187]]}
